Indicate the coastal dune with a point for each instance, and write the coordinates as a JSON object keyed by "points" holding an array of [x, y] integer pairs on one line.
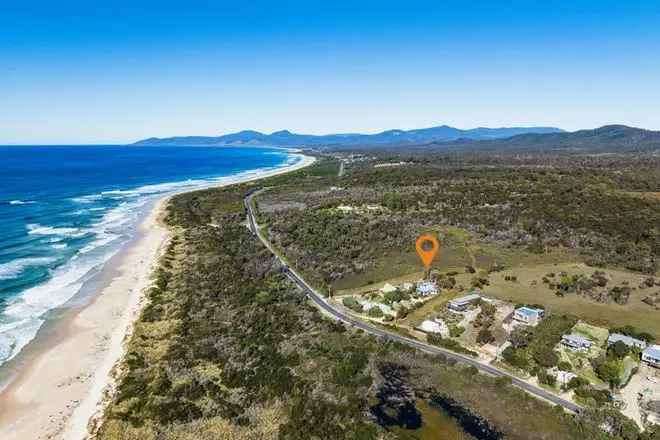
{"points": [[69, 373]]}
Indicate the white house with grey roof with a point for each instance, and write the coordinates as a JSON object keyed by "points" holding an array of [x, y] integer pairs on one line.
{"points": [[528, 316], [628, 340], [576, 342], [461, 304], [427, 288], [651, 355], [437, 326]]}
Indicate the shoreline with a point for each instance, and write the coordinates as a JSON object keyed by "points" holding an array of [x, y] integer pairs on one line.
{"points": [[67, 374]]}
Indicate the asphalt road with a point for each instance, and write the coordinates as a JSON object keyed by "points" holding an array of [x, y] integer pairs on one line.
{"points": [[319, 300]]}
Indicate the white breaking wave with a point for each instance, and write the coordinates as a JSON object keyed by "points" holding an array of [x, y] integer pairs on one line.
{"points": [[20, 202], [25, 314], [15, 267], [87, 199], [37, 229]]}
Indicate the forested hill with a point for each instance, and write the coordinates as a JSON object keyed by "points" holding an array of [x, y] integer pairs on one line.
{"points": [[441, 133], [609, 138]]}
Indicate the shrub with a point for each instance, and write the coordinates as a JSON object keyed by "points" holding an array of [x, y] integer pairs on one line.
{"points": [[546, 378], [375, 312], [564, 366], [515, 358], [545, 357], [485, 336], [577, 382], [449, 344], [455, 331], [600, 397]]}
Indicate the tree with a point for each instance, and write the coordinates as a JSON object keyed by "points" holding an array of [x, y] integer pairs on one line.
{"points": [[546, 378], [515, 358], [375, 312], [619, 349], [564, 366], [521, 337], [608, 370], [485, 336], [545, 357], [577, 382]]}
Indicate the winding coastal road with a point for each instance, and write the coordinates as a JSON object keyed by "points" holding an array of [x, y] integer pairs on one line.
{"points": [[320, 301]]}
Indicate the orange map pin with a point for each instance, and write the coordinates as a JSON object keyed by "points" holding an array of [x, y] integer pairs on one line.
{"points": [[427, 248]]}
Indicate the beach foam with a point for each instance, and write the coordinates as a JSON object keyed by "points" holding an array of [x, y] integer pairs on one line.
{"points": [[91, 238], [15, 267], [37, 229], [23, 315]]}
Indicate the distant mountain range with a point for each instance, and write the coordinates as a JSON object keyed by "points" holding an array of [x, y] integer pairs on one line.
{"points": [[609, 138], [285, 138]]}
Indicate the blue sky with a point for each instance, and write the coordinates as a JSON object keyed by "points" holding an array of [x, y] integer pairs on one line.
{"points": [[118, 71]]}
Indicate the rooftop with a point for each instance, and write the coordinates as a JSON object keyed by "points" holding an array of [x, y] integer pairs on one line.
{"points": [[577, 338], [466, 298], [628, 340], [432, 327], [527, 311], [653, 350]]}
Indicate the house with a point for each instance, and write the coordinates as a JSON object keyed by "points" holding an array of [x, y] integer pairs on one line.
{"points": [[528, 316], [629, 341], [651, 355], [368, 305], [407, 287], [562, 377], [387, 288], [577, 342], [461, 304], [436, 326], [427, 288]]}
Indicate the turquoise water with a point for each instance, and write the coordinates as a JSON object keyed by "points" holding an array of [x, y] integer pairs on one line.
{"points": [[66, 210]]}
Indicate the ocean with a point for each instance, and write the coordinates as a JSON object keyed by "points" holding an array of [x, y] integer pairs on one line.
{"points": [[66, 210]]}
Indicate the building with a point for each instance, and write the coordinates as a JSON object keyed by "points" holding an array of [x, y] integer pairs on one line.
{"points": [[427, 288], [407, 287], [436, 326], [368, 305], [651, 355], [461, 304], [577, 342], [528, 316], [387, 288], [629, 341], [562, 377]]}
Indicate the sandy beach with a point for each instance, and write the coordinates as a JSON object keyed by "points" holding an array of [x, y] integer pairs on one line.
{"points": [[67, 373]]}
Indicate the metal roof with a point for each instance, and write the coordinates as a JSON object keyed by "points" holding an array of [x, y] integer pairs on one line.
{"points": [[628, 340], [466, 299], [527, 311], [577, 338], [653, 351]]}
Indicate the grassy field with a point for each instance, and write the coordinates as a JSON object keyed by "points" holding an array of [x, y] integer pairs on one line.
{"points": [[601, 314], [405, 263], [459, 249]]}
